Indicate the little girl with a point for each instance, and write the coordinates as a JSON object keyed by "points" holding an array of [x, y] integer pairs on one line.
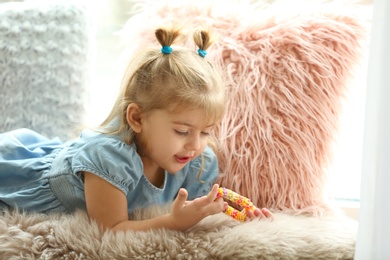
{"points": [[151, 149]]}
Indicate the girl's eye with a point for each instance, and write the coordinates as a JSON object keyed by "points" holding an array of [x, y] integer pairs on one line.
{"points": [[206, 133], [183, 133]]}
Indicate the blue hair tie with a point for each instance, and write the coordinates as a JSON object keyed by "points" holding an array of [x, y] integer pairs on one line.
{"points": [[202, 53], [166, 49]]}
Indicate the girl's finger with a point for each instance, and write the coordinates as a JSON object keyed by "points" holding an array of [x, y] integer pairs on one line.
{"points": [[267, 213], [180, 199], [250, 215], [258, 213], [213, 193]]}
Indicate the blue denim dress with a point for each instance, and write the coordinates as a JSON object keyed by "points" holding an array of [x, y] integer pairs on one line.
{"points": [[38, 174]]}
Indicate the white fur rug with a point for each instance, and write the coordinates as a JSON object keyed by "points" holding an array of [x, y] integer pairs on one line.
{"points": [[38, 236]]}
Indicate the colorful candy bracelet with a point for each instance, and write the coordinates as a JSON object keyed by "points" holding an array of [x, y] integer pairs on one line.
{"points": [[238, 200]]}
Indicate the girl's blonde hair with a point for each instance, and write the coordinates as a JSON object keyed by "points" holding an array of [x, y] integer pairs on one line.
{"points": [[154, 80]]}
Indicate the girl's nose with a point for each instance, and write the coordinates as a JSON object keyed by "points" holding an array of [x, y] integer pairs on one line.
{"points": [[194, 143]]}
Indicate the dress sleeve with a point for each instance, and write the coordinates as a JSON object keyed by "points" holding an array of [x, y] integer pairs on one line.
{"points": [[110, 159], [198, 186]]}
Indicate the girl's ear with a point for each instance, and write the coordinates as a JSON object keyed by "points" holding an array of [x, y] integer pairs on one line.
{"points": [[133, 116]]}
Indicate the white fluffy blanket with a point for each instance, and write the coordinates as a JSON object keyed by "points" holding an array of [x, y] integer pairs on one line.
{"points": [[38, 236]]}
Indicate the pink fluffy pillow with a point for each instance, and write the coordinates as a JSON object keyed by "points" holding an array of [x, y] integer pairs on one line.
{"points": [[286, 76]]}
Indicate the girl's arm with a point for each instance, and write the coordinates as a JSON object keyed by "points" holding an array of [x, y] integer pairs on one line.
{"points": [[107, 205]]}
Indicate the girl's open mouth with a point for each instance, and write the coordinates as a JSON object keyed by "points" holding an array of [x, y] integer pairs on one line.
{"points": [[180, 159]]}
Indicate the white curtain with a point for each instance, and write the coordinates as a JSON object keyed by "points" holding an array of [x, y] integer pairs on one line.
{"points": [[373, 241]]}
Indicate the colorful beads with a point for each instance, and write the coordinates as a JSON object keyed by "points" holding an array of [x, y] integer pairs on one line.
{"points": [[238, 200]]}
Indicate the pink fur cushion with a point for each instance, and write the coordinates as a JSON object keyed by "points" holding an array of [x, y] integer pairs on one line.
{"points": [[286, 78]]}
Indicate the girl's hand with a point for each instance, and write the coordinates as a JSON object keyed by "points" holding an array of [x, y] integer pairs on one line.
{"points": [[186, 214], [259, 213]]}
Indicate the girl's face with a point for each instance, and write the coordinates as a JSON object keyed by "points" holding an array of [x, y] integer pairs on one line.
{"points": [[171, 140]]}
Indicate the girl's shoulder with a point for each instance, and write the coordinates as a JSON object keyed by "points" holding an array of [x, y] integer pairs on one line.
{"points": [[111, 146], [107, 156], [94, 134]]}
